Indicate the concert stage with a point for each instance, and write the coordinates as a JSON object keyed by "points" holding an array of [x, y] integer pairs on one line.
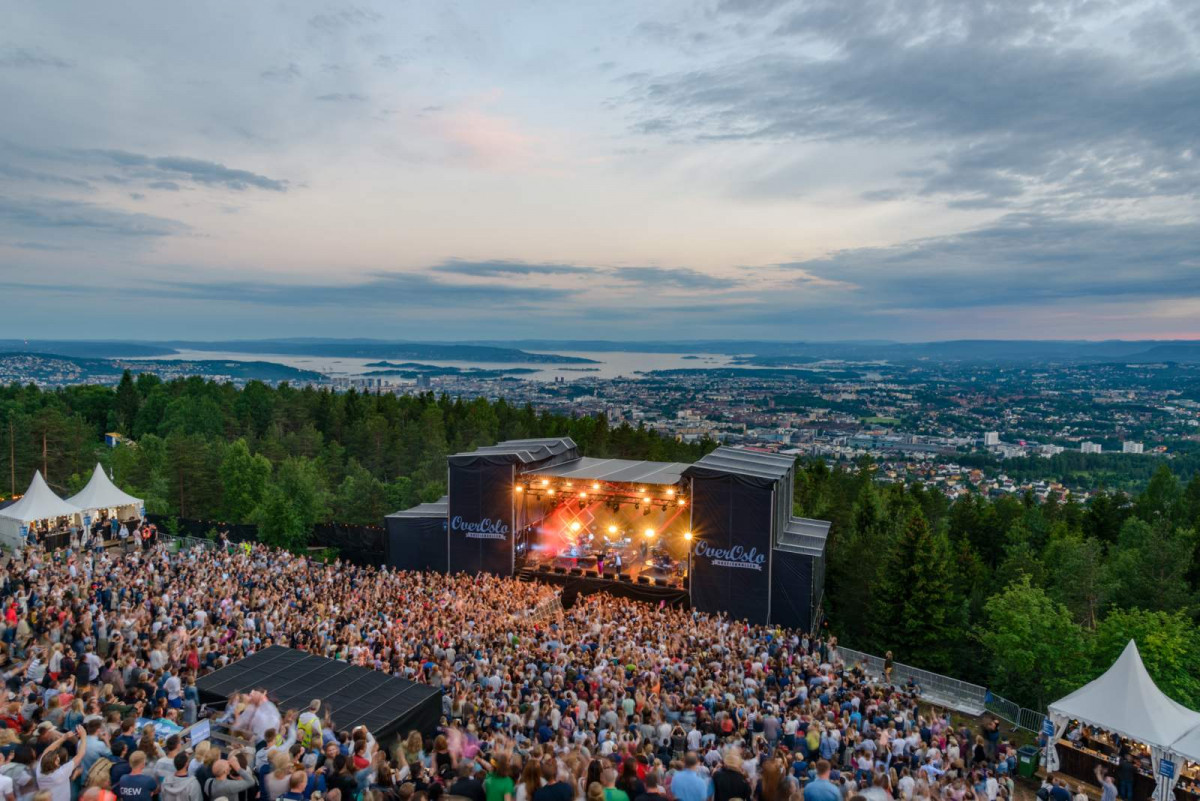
{"points": [[717, 534]]}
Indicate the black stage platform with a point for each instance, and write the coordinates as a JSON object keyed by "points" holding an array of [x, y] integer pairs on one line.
{"points": [[575, 586]]}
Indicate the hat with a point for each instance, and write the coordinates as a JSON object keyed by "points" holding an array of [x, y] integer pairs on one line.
{"points": [[45, 725]]}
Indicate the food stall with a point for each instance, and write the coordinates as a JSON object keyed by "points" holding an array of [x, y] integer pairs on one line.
{"points": [[1185, 757], [41, 513], [1122, 711], [102, 501]]}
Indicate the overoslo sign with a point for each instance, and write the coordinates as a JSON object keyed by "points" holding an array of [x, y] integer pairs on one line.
{"points": [[737, 556], [485, 529]]}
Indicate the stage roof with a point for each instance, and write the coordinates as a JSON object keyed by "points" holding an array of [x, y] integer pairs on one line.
{"points": [[756, 467], [355, 696], [438, 508], [522, 451], [626, 471], [804, 535]]}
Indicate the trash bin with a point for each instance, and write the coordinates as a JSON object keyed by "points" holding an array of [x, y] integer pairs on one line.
{"points": [[1028, 757]]}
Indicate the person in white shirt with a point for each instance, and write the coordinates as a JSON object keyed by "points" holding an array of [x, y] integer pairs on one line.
{"points": [[54, 772]]}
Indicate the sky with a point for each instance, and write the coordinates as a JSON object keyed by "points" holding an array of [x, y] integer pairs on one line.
{"points": [[781, 169]]}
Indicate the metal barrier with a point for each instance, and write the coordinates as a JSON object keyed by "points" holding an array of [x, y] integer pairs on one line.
{"points": [[941, 690], [945, 691]]}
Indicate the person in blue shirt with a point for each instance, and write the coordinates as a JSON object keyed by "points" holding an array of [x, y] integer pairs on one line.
{"points": [[689, 784], [821, 788]]}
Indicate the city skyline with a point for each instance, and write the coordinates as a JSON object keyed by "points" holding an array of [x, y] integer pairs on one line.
{"points": [[727, 169]]}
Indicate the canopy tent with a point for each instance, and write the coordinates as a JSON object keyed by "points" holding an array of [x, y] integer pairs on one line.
{"points": [[100, 493], [1125, 700], [38, 503], [1187, 747]]}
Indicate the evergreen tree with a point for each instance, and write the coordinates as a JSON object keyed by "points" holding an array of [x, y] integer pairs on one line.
{"points": [[127, 403], [917, 605], [244, 477]]}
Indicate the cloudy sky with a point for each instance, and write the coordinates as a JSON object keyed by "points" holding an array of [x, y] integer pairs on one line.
{"points": [[814, 169]]}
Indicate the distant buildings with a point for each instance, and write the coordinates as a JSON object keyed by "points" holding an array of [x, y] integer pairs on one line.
{"points": [[991, 438], [1132, 447], [1089, 447]]}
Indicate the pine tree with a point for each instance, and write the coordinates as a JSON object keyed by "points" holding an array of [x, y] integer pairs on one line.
{"points": [[917, 606]]}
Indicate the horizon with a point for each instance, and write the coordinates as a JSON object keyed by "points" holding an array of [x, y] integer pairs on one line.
{"points": [[782, 170]]}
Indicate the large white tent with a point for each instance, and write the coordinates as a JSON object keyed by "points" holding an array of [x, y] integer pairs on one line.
{"points": [[38, 503], [1187, 747], [101, 494], [1125, 700]]}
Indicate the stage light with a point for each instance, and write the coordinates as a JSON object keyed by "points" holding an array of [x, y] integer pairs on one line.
{"points": [[550, 492], [545, 482], [687, 535], [612, 529], [575, 526], [649, 532], [518, 488], [681, 502], [596, 486], [569, 484], [670, 493], [583, 495]]}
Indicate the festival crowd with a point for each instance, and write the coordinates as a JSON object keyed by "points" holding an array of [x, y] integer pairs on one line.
{"points": [[610, 700]]}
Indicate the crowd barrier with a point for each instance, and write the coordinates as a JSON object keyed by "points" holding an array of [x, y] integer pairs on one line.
{"points": [[961, 696]]}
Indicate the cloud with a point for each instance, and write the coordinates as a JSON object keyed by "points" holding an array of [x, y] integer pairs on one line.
{"points": [[506, 269], [25, 58], [399, 290], [67, 215], [675, 278], [342, 97], [202, 172], [1016, 104], [285, 74], [19, 173], [344, 18], [1022, 260]]}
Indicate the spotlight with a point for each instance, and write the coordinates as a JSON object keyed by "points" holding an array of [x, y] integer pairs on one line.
{"points": [[612, 529], [670, 493], [550, 492], [575, 526], [545, 482], [681, 502], [596, 485], [583, 495], [569, 484], [687, 535], [649, 532], [518, 488]]}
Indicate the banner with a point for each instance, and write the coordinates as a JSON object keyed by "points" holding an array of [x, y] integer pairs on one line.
{"points": [[480, 516], [731, 547]]}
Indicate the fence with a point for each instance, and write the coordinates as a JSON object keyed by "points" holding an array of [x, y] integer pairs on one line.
{"points": [[945, 691], [362, 545]]}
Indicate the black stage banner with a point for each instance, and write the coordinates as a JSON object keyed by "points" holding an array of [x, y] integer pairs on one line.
{"points": [[481, 518], [360, 545], [731, 547], [417, 543], [792, 589]]}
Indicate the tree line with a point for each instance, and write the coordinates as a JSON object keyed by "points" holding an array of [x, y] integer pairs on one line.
{"points": [[1029, 598]]}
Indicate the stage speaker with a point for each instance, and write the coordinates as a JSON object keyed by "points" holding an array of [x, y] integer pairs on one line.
{"points": [[643, 580], [562, 571], [660, 582], [592, 573], [543, 568], [575, 571], [625, 577]]}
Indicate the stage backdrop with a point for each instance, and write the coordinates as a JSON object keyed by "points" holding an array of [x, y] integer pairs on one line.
{"points": [[731, 547], [416, 538], [480, 510]]}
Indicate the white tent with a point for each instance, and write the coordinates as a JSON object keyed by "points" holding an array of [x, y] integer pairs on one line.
{"points": [[38, 503], [101, 494], [1187, 747], [1125, 700]]}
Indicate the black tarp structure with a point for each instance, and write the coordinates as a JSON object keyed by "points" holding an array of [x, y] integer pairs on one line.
{"points": [[740, 499], [480, 503], [416, 538], [388, 706], [798, 573]]}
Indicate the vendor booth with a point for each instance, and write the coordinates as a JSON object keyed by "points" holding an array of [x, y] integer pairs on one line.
{"points": [[40, 516], [1120, 716], [1185, 758], [101, 501]]}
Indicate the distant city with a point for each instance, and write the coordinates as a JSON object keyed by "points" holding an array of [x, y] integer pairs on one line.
{"points": [[1003, 423]]}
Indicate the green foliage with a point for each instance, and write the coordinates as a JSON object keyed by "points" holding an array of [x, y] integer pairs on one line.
{"points": [[1168, 642], [1035, 651], [918, 609], [244, 479], [1148, 567]]}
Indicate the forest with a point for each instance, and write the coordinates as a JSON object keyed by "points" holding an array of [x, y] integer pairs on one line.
{"points": [[1028, 598]]}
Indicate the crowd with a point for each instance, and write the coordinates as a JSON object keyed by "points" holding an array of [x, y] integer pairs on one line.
{"points": [[611, 700]]}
